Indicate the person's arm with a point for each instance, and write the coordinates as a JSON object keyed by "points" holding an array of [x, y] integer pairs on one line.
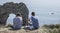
{"points": [[37, 18]]}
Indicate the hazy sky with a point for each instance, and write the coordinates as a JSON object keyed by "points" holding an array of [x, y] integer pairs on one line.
{"points": [[37, 4]]}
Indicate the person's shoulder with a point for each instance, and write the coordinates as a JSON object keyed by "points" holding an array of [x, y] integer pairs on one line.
{"points": [[37, 17], [16, 18], [20, 17]]}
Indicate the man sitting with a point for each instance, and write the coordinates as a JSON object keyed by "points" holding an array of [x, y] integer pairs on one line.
{"points": [[17, 22], [34, 20]]}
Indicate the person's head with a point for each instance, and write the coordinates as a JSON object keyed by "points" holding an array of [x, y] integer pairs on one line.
{"points": [[18, 14], [33, 13]]}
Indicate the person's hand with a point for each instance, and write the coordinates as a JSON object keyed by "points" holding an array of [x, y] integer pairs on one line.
{"points": [[28, 19]]}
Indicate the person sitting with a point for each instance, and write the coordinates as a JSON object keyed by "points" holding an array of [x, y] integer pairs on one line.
{"points": [[17, 22], [34, 20]]}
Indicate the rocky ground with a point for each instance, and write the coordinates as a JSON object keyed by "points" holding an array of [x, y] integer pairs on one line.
{"points": [[4, 29], [9, 30]]}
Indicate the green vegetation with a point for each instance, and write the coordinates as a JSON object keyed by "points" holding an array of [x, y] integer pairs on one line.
{"points": [[53, 28]]}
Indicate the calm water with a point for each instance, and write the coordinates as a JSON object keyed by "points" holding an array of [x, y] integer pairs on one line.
{"points": [[45, 17]]}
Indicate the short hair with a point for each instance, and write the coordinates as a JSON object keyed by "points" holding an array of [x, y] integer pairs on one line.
{"points": [[18, 14], [33, 13]]}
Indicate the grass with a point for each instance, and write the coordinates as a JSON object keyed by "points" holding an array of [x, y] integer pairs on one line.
{"points": [[53, 28]]}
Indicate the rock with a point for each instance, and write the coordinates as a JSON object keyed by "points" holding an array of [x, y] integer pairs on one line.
{"points": [[11, 7]]}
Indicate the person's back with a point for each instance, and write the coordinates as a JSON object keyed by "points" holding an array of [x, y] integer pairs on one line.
{"points": [[17, 22], [34, 20]]}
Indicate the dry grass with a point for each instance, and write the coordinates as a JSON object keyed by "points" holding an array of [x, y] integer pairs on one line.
{"points": [[40, 30]]}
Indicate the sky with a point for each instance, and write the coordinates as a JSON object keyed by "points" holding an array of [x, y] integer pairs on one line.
{"points": [[39, 4]]}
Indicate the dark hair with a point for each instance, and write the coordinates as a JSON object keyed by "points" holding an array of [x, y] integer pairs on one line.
{"points": [[17, 14], [33, 13]]}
